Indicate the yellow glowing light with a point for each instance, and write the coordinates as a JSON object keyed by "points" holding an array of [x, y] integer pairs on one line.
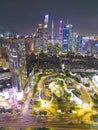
{"points": [[45, 104], [40, 25]]}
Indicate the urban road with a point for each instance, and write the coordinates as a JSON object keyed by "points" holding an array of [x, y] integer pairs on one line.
{"points": [[22, 121], [85, 70]]}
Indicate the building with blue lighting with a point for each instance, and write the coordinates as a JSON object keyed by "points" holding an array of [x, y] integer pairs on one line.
{"points": [[67, 44]]}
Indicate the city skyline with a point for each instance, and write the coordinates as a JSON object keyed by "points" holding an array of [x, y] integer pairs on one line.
{"points": [[48, 64], [23, 16]]}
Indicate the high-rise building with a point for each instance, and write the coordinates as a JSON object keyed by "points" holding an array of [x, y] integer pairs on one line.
{"points": [[41, 36], [52, 34], [46, 20], [17, 58], [60, 36], [29, 45], [45, 33], [78, 43], [39, 39], [75, 42], [67, 44], [3, 47]]}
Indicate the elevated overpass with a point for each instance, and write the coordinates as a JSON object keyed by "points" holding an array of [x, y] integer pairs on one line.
{"points": [[85, 70]]}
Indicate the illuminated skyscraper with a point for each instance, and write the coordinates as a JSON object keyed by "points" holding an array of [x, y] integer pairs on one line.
{"points": [[41, 37], [3, 47], [29, 45], [45, 33], [52, 35], [60, 36], [46, 20], [67, 38], [17, 59]]}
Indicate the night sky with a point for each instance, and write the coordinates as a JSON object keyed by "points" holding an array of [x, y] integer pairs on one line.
{"points": [[24, 15]]}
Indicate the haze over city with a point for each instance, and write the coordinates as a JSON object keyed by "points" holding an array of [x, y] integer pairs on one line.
{"points": [[24, 15]]}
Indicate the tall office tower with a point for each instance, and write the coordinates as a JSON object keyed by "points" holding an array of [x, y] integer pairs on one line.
{"points": [[67, 44], [52, 34], [79, 43], [85, 40], [3, 54], [3, 47], [75, 42], [60, 36], [45, 33], [46, 20], [17, 59], [39, 39], [29, 45]]}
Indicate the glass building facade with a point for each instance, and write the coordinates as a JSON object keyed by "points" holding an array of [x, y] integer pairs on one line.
{"points": [[67, 37], [17, 59]]}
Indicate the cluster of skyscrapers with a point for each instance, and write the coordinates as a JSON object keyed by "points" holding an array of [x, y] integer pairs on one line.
{"points": [[67, 38], [16, 48]]}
